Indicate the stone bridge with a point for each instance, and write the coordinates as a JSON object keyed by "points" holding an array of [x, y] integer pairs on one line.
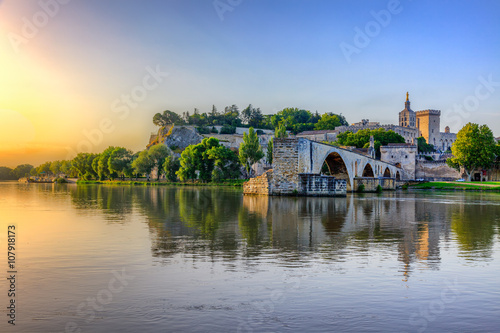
{"points": [[296, 160]]}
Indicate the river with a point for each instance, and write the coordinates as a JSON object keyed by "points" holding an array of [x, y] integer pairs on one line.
{"points": [[98, 258]]}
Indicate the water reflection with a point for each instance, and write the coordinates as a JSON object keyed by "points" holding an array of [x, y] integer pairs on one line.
{"points": [[113, 201], [224, 225]]}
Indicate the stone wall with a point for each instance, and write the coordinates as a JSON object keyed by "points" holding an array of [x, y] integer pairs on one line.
{"points": [[372, 183], [319, 185], [435, 170], [285, 166], [259, 185], [403, 155]]}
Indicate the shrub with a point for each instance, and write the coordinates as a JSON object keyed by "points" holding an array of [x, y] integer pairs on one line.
{"points": [[405, 186], [361, 188], [226, 129], [60, 180], [379, 189], [203, 130]]}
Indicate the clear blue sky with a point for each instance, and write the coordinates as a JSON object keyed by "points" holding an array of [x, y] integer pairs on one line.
{"points": [[272, 54]]}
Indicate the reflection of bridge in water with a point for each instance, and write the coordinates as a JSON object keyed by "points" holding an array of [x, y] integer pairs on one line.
{"points": [[391, 222]]}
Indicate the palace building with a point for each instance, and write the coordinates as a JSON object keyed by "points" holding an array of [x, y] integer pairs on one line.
{"points": [[427, 122]]}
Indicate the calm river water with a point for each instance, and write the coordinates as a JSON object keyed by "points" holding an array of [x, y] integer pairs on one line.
{"points": [[178, 259]]}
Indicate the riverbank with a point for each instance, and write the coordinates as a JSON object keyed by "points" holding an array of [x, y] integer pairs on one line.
{"points": [[234, 183], [457, 186]]}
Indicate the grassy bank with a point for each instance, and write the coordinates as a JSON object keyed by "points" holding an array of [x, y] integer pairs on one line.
{"points": [[458, 186], [234, 183]]}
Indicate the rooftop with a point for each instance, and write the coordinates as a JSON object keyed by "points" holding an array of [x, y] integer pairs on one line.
{"points": [[317, 132], [402, 145]]}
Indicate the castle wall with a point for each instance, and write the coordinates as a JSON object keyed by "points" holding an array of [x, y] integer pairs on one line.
{"points": [[404, 155], [435, 170]]}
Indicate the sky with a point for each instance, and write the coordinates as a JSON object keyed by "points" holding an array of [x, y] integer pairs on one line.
{"points": [[82, 75]]}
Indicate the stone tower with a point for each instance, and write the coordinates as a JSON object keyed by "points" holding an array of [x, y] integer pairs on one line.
{"points": [[428, 124], [407, 116]]}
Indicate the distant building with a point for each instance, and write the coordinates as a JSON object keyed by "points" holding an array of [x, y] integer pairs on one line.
{"points": [[322, 135], [427, 122]]}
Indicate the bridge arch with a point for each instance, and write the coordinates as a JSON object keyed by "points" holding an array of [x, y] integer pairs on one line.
{"points": [[387, 173], [398, 175], [337, 167], [368, 171]]}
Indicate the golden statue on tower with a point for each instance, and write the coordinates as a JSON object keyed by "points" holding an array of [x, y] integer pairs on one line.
{"points": [[407, 96]]}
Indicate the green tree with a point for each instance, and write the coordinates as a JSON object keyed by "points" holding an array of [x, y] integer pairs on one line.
{"points": [[199, 162], [67, 168], [43, 169], [195, 162], [475, 148], [296, 120], [250, 151], [226, 163], [252, 116], [280, 131], [270, 148], [93, 167], [329, 121], [55, 167], [423, 146], [167, 118], [22, 170], [143, 164], [120, 162], [6, 173], [79, 164], [103, 170], [157, 154], [171, 166]]}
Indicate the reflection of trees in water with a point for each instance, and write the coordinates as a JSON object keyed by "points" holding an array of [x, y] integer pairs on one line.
{"points": [[113, 201], [195, 221], [475, 226], [253, 223]]}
